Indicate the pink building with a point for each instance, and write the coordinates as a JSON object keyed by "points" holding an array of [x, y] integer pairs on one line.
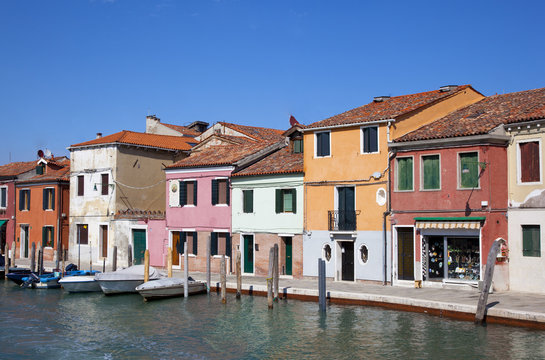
{"points": [[449, 197]]}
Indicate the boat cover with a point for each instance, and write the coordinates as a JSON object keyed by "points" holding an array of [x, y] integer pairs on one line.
{"points": [[135, 272]]}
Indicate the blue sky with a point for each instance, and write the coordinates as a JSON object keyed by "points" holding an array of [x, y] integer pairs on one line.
{"points": [[70, 69]]}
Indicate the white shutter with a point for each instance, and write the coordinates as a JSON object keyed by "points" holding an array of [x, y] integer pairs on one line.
{"points": [[174, 193]]}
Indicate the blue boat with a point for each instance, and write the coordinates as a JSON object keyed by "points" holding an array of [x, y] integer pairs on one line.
{"points": [[51, 280]]}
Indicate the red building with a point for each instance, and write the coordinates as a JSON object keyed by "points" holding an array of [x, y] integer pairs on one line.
{"points": [[449, 195], [42, 202]]}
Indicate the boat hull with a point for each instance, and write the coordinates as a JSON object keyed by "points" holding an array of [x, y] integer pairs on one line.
{"points": [[75, 284], [110, 287], [164, 289]]}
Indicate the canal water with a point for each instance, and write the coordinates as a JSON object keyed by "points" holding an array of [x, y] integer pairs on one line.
{"points": [[53, 324]]}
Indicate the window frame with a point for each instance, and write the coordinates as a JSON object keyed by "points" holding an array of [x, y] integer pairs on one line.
{"points": [[51, 230], [215, 236], [80, 185], [279, 206], [183, 184], [26, 204], [247, 191], [522, 227], [49, 190], [4, 198], [78, 233], [316, 144], [302, 146], [459, 171], [104, 187], [422, 172], [216, 192], [396, 179], [362, 142], [519, 162]]}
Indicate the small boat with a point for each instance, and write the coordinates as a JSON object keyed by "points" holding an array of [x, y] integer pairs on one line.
{"points": [[44, 281], [84, 281], [169, 287], [13, 270], [17, 277], [125, 280]]}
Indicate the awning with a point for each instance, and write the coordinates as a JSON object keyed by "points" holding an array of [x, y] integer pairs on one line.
{"points": [[449, 222], [2, 222]]}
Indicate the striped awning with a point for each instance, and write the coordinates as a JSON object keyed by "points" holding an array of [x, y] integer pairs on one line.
{"points": [[449, 223]]}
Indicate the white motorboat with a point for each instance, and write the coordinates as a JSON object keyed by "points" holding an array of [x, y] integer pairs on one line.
{"points": [[169, 287], [125, 280], [86, 283]]}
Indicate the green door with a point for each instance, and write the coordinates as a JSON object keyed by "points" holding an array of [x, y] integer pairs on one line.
{"points": [[139, 245], [347, 214], [25, 240], [248, 254], [287, 241]]}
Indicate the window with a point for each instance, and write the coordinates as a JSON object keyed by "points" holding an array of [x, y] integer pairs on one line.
{"points": [[430, 172], [469, 170], [405, 174], [47, 236], [220, 191], [221, 244], [80, 185], [370, 139], [49, 199], [3, 197], [24, 199], [531, 244], [529, 162], [105, 183], [322, 144], [248, 201], [40, 169], [286, 201], [103, 241], [298, 146], [326, 252], [83, 234], [188, 193], [191, 239], [364, 254]]}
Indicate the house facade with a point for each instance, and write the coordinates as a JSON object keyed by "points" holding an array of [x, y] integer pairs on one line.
{"points": [[346, 180], [117, 183]]}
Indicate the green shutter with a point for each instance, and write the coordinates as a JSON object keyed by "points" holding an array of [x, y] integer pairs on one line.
{"points": [[20, 200], [195, 193], [294, 200], [214, 244], [228, 245], [279, 205], [195, 241], [183, 239], [531, 242], [183, 193], [52, 199], [214, 191], [44, 200], [28, 200], [469, 170], [405, 173], [431, 172], [228, 191], [248, 201], [44, 237]]}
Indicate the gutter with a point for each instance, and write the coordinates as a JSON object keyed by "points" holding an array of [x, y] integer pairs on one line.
{"points": [[449, 142], [361, 123]]}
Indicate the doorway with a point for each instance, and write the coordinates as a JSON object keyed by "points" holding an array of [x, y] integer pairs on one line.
{"points": [[286, 264], [248, 248], [405, 254], [24, 241], [104, 241], [346, 208], [177, 248], [139, 245], [347, 260]]}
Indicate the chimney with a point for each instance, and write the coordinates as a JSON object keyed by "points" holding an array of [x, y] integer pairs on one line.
{"points": [[381, 98], [153, 117], [99, 135], [446, 88]]}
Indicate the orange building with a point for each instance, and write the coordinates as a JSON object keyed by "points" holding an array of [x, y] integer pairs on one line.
{"points": [[42, 202], [346, 180]]}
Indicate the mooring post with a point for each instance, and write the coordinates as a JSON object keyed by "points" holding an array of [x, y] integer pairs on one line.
{"points": [[114, 259], [208, 249], [169, 262], [32, 257], [6, 260], [40, 261], [186, 271], [321, 285], [104, 265], [223, 272], [270, 279], [239, 275], [90, 258], [58, 252], [12, 254], [64, 255], [487, 282], [275, 273], [146, 265], [129, 254]]}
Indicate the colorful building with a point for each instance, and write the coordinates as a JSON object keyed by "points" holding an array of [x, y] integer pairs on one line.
{"points": [[346, 182]]}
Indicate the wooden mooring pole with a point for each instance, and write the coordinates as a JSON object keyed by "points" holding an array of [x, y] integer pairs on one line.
{"points": [[270, 297], [487, 282], [223, 272], [32, 257], [129, 254], [146, 265], [12, 254], [321, 285], [90, 258], [64, 256], [6, 260], [58, 252], [239, 275], [275, 273], [169, 262], [114, 259], [186, 271], [208, 249], [104, 265], [40, 261]]}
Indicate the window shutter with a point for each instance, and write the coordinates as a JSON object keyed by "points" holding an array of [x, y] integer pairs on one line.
{"points": [[431, 172], [183, 193], [279, 205], [469, 169], [228, 244], [195, 243], [214, 192], [53, 199], [294, 200], [405, 174], [326, 144], [44, 200], [248, 199], [44, 236], [529, 161], [373, 139], [214, 244], [20, 200], [531, 244], [251, 201], [28, 200], [228, 191], [183, 239], [195, 193]]}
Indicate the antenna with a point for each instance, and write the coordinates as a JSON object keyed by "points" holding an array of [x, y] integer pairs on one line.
{"points": [[47, 154]]}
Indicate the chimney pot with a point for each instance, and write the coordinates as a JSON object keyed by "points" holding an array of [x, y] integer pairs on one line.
{"points": [[446, 88], [381, 98], [99, 135]]}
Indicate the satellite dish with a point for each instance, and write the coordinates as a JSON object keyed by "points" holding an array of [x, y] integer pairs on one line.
{"points": [[40, 154], [47, 153]]}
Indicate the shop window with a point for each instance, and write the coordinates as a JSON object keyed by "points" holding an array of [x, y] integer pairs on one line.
{"points": [[364, 254], [24, 199], [430, 172], [370, 139], [83, 234], [220, 192], [221, 244], [531, 240], [326, 252], [188, 193], [105, 182], [469, 170], [451, 258], [286, 201], [323, 146], [48, 199], [47, 236], [3, 197], [529, 162], [404, 173], [248, 201], [298, 146], [80, 185]]}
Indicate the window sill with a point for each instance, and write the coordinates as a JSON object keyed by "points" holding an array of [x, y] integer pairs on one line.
{"points": [[370, 153], [221, 205], [428, 190], [470, 189], [529, 183], [403, 191], [189, 205], [220, 256], [321, 157]]}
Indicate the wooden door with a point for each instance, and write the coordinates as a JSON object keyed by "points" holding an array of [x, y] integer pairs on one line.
{"points": [[405, 254], [139, 245], [104, 234], [347, 258], [176, 248]]}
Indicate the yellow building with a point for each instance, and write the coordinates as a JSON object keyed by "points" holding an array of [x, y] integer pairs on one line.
{"points": [[346, 180]]}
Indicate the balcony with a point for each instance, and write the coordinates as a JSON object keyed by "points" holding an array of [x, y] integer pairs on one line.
{"points": [[341, 220]]}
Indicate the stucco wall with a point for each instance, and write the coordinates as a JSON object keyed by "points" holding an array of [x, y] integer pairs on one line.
{"points": [[9, 212]]}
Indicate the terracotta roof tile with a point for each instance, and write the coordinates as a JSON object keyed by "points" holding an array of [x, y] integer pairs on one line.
{"points": [[17, 168], [55, 171], [257, 133], [483, 116], [283, 161], [183, 130], [143, 139], [387, 109]]}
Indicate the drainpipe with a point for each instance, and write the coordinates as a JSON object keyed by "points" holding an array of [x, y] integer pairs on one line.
{"points": [[391, 156]]}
